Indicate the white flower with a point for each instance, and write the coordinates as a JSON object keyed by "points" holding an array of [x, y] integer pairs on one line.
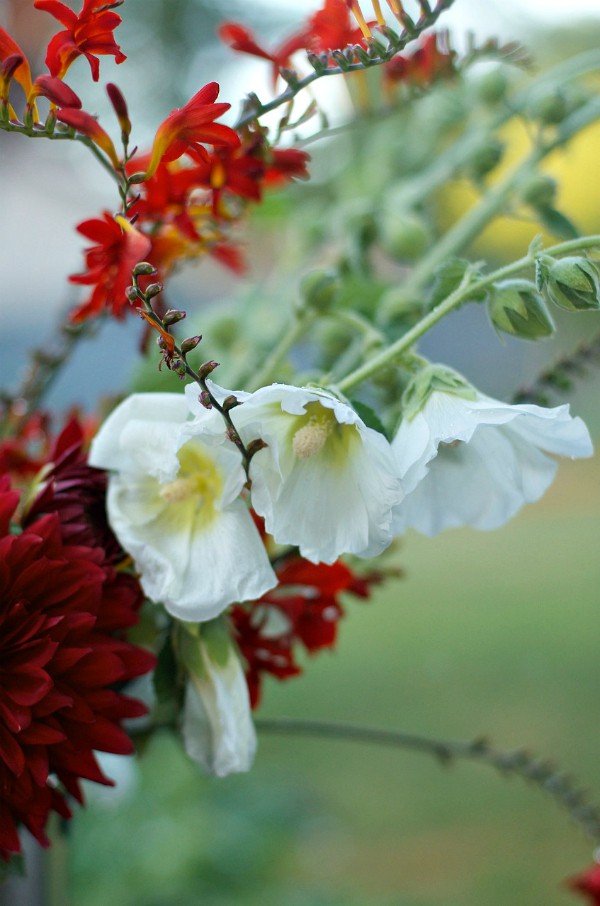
{"points": [[477, 461], [173, 503], [217, 729], [325, 482]]}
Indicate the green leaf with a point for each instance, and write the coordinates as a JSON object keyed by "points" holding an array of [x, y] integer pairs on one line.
{"points": [[165, 677], [369, 417], [557, 223], [448, 278]]}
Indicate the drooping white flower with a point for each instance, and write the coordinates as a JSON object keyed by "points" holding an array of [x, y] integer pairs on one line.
{"points": [[473, 460], [325, 482], [173, 502], [217, 728]]}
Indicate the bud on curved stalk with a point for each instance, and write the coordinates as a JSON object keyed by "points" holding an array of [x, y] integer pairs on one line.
{"points": [[517, 308], [319, 290], [572, 283]]}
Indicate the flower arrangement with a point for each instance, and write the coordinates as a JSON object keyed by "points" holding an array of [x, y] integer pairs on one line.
{"points": [[200, 535]]}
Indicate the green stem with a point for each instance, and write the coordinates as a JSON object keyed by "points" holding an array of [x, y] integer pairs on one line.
{"points": [[467, 289], [538, 771], [426, 21], [60, 136]]}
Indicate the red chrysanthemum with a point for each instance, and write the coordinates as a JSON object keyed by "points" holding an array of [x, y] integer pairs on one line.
{"points": [[117, 248], [588, 884], [63, 612], [88, 33], [303, 610]]}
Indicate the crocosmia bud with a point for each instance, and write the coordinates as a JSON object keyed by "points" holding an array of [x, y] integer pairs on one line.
{"points": [[517, 308], [572, 283]]}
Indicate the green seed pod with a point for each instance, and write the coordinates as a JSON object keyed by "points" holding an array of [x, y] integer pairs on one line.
{"points": [[517, 308], [572, 283]]}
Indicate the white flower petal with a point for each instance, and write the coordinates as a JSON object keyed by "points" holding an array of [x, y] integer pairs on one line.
{"points": [[325, 482], [477, 462], [174, 505]]}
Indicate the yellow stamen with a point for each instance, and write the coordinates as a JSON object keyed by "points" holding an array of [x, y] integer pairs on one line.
{"points": [[178, 490], [378, 13], [362, 22]]}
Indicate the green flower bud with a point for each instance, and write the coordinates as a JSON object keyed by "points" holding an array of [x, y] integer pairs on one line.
{"points": [[517, 308], [551, 108], [404, 236], [540, 191], [319, 290], [485, 158], [572, 283], [492, 87]]}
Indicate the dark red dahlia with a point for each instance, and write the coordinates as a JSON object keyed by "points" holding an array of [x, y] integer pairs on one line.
{"points": [[76, 492], [63, 612]]}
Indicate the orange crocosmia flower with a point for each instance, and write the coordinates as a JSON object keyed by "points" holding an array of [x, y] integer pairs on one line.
{"points": [[22, 73], [88, 33], [190, 126], [88, 125], [117, 248]]}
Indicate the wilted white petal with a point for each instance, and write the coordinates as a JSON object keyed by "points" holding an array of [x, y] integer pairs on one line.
{"points": [[218, 731]]}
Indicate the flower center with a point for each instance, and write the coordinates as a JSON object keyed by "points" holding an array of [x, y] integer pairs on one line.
{"points": [[312, 436], [199, 480]]}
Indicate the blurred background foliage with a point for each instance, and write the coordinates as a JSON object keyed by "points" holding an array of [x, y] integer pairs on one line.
{"points": [[494, 634]]}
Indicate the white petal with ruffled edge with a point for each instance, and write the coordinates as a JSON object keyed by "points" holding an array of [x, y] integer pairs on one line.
{"points": [[174, 505], [477, 462], [325, 482]]}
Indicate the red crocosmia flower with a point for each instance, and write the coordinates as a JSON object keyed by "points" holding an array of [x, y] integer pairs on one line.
{"points": [[587, 884], [286, 163], [88, 125], [117, 248], [9, 48], [331, 28], [242, 40], [55, 90], [431, 61], [303, 610], [88, 33], [190, 126], [63, 613]]}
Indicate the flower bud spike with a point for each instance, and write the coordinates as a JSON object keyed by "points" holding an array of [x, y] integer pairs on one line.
{"points": [[172, 316], [144, 268], [189, 344], [120, 107], [230, 402], [207, 369], [205, 399]]}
